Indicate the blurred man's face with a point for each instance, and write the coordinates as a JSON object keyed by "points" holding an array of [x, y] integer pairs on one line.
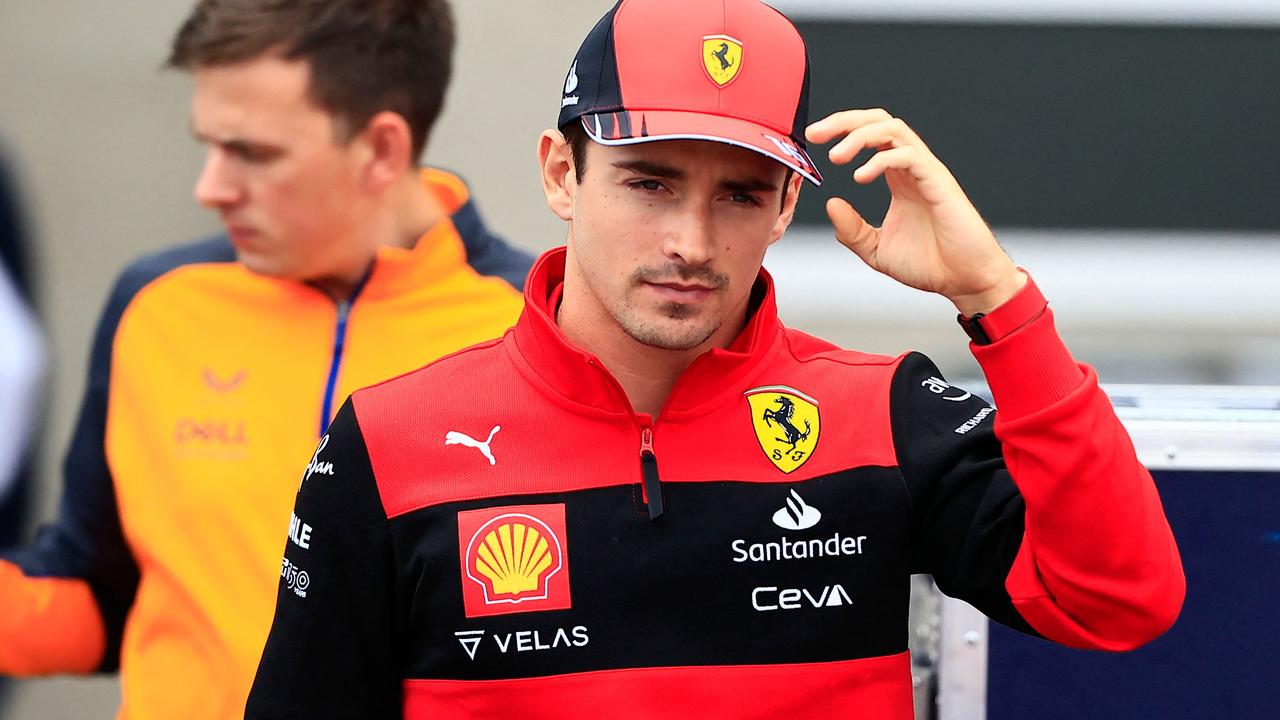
{"points": [[669, 236], [277, 172]]}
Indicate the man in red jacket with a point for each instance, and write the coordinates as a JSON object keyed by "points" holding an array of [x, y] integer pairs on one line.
{"points": [[653, 500]]}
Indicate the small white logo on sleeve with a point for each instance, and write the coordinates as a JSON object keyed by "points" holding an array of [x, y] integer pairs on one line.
{"points": [[316, 466], [295, 578], [299, 532], [796, 515], [938, 387], [456, 438], [974, 421]]}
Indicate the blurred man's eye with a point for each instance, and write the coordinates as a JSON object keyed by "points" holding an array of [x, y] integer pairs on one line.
{"points": [[254, 154]]}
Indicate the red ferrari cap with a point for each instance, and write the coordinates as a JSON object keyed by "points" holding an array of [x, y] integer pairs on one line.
{"points": [[730, 71]]}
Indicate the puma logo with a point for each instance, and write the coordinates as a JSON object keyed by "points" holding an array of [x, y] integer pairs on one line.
{"points": [[454, 437]]}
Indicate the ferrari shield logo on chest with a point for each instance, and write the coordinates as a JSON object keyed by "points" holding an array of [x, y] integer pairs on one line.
{"points": [[721, 58], [786, 423]]}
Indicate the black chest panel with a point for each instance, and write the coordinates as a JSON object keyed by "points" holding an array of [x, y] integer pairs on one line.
{"points": [[731, 573]]}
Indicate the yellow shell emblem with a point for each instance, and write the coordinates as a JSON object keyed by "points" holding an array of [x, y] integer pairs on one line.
{"points": [[721, 58], [515, 557], [787, 425]]}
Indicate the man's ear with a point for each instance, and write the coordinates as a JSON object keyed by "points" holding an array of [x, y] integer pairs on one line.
{"points": [[789, 201], [558, 179], [386, 144]]}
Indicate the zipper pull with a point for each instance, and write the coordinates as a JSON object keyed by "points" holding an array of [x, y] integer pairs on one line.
{"points": [[651, 487]]}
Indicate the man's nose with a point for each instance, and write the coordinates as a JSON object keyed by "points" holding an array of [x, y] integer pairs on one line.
{"points": [[216, 187], [690, 238]]}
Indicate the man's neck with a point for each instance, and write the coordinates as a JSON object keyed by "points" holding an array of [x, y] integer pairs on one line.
{"points": [[415, 210], [647, 374], [409, 210]]}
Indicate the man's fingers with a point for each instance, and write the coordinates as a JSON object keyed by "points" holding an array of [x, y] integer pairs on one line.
{"points": [[843, 122], [852, 230], [900, 158], [883, 135], [848, 148]]}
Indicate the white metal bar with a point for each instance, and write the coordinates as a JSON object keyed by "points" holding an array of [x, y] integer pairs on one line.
{"points": [[1177, 282], [962, 669], [1144, 12]]}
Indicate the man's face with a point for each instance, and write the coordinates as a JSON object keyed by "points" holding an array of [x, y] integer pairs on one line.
{"points": [[669, 236], [287, 189]]}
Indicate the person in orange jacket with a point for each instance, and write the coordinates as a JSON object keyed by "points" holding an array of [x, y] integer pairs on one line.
{"points": [[216, 364]]}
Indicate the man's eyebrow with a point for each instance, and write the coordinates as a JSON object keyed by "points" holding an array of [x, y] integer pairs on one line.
{"points": [[236, 144], [645, 167], [749, 185]]}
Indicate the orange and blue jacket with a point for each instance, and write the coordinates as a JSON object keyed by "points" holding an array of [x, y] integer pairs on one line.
{"points": [[502, 535], [207, 382]]}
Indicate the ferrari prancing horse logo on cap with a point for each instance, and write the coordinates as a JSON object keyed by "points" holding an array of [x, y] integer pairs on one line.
{"points": [[721, 58], [786, 423]]}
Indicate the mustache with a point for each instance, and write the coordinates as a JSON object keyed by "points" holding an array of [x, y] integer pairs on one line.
{"points": [[686, 273]]}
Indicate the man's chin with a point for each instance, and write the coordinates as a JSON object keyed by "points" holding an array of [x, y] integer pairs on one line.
{"points": [[671, 334], [259, 265]]}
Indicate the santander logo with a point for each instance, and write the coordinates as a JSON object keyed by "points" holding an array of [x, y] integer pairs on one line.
{"points": [[796, 515]]}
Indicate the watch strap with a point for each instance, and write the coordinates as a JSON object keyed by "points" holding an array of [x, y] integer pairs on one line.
{"points": [[1026, 305]]}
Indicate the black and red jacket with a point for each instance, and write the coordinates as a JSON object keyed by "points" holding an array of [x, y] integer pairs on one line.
{"points": [[500, 535]]}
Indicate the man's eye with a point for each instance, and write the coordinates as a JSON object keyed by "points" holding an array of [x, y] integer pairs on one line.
{"points": [[257, 156], [253, 155], [745, 199], [649, 185]]}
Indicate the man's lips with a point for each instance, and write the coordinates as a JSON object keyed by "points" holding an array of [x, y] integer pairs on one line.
{"points": [[681, 292], [241, 235]]}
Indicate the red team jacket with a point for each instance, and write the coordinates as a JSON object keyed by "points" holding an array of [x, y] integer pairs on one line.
{"points": [[500, 535]]}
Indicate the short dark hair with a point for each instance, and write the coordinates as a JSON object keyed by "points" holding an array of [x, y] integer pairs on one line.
{"points": [[577, 139], [366, 56]]}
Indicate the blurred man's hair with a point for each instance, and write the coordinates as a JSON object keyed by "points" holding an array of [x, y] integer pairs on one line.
{"points": [[365, 56]]}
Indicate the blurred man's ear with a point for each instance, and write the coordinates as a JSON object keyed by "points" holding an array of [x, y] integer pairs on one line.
{"points": [[558, 180], [386, 146]]}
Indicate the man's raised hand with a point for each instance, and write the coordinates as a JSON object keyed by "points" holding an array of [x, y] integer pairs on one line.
{"points": [[932, 238]]}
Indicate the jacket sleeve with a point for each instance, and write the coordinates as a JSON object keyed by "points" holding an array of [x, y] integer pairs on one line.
{"points": [[1040, 515], [64, 598], [332, 650]]}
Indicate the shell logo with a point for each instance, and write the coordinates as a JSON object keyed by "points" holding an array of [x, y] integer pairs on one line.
{"points": [[513, 559]]}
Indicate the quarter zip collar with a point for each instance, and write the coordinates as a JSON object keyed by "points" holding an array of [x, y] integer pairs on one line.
{"points": [[579, 378], [395, 271]]}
